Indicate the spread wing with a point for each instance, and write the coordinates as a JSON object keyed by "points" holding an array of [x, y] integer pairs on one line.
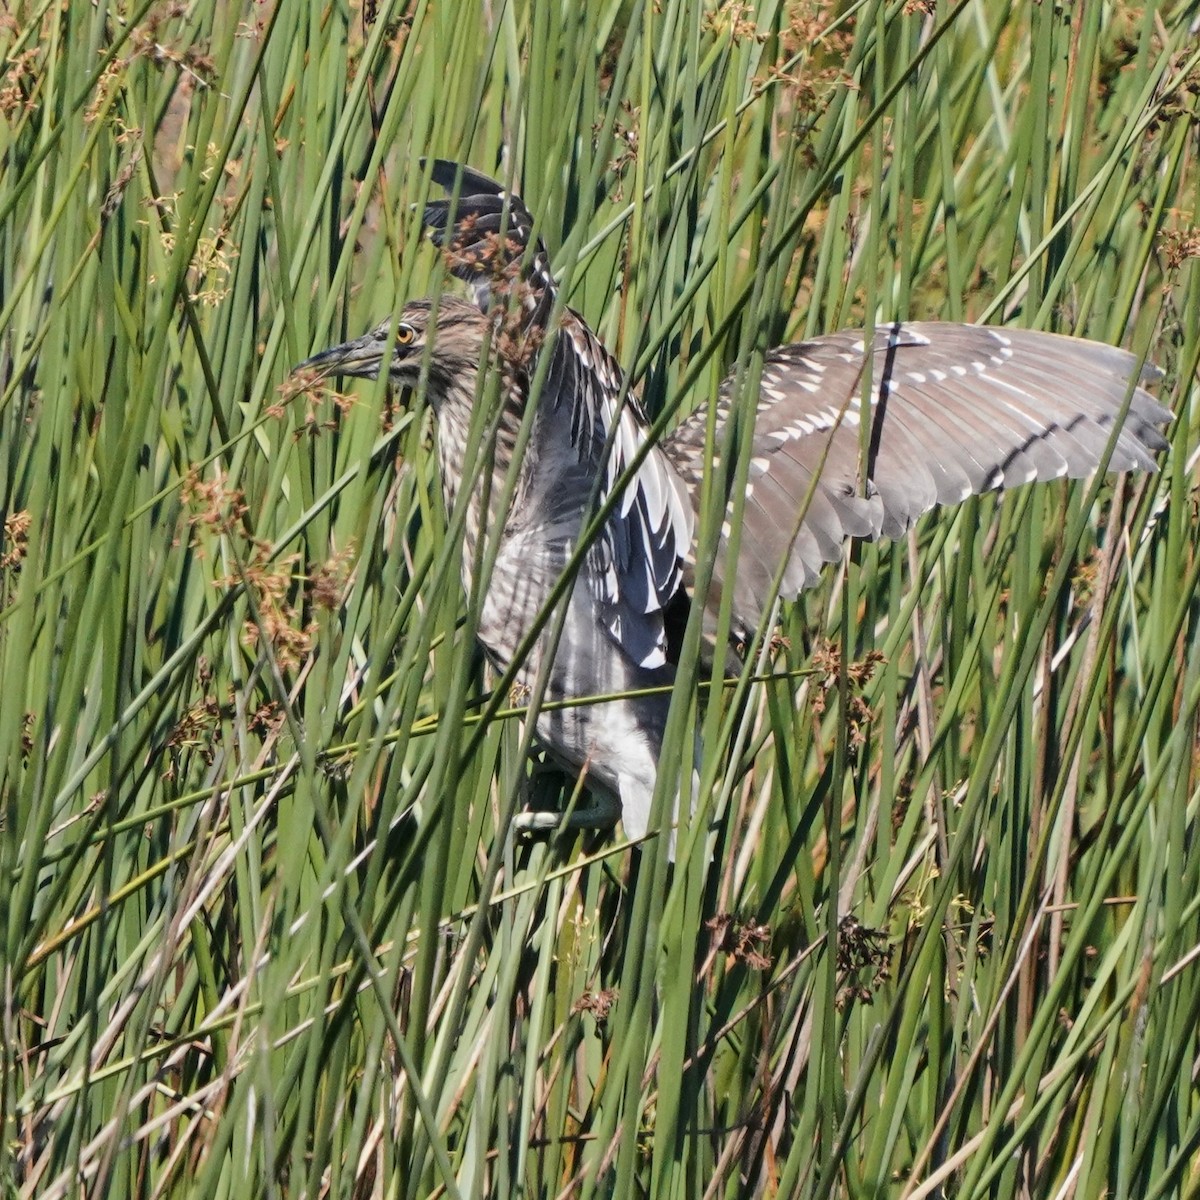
{"points": [[635, 565], [956, 410]]}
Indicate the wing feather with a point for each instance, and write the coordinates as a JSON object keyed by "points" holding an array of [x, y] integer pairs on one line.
{"points": [[956, 410], [635, 566], [491, 244]]}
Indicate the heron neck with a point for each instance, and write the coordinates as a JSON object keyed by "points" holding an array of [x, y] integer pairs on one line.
{"points": [[481, 459]]}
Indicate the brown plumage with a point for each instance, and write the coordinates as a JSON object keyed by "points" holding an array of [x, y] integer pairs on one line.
{"points": [[955, 410]]}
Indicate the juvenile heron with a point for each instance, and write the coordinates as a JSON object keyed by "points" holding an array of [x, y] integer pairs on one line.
{"points": [[955, 410]]}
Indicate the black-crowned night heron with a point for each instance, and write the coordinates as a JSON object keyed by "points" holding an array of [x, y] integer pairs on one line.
{"points": [[955, 410]]}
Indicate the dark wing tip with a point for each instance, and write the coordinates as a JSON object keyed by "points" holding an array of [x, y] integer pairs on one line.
{"points": [[484, 212], [446, 174], [477, 194], [488, 236], [482, 207]]}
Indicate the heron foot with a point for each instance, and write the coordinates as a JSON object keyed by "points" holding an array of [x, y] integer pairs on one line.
{"points": [[603, 813]]}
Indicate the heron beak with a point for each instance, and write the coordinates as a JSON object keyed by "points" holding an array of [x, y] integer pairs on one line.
{"points": [[361, 357]]}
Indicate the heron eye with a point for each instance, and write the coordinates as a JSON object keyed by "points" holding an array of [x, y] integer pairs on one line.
{"points": [[405, 335]]}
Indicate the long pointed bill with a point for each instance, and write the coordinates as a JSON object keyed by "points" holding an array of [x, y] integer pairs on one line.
{"points": [[361, 357]]}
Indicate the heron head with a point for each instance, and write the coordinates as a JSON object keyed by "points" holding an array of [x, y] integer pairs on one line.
{"points": [[446, 332]]}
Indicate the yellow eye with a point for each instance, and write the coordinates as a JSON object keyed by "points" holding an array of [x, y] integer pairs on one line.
{"points": [[405, 335]]}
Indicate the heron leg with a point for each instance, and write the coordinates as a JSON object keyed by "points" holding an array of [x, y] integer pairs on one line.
{"points": [[594, 809]]}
